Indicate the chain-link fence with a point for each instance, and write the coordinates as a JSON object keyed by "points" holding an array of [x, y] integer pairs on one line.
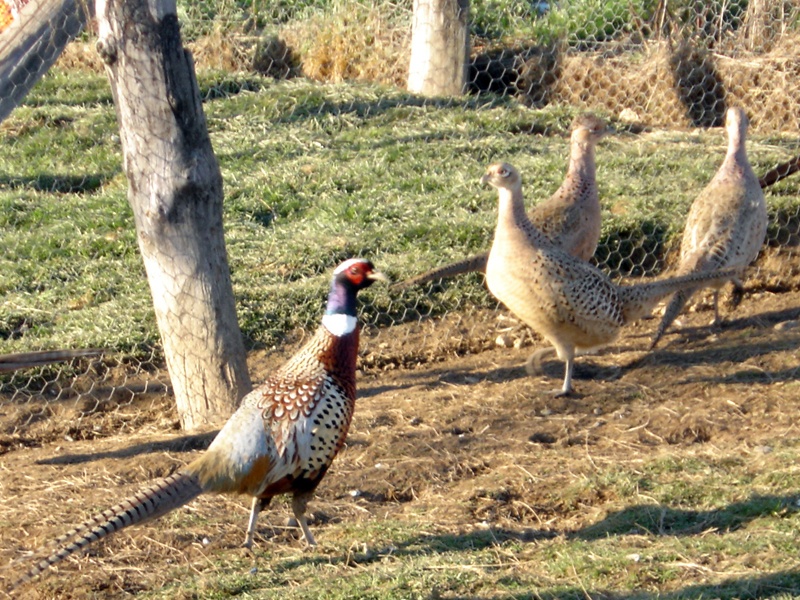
{"points": [[325, 155]]}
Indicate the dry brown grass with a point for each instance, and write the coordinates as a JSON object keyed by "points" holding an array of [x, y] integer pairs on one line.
{"points": [[665, 85], [81, 57], [657, 84], [350, 43], [354, 42]]}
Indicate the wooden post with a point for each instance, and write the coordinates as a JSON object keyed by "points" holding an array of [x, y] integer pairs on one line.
{"points": [[439, 48]]}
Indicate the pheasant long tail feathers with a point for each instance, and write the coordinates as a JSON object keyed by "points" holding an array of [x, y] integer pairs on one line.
{"points": [[685, 291], [638, 300], [673, 284], [674, 308], [466, 265], [154, 501]]}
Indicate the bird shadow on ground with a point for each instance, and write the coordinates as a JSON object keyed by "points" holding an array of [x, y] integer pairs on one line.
{"points": [[422, 545], [759, 321], [652, 520], [179, 444], [735, 351], [719, 352], [727, 349], [583, 370], [444, 376]]}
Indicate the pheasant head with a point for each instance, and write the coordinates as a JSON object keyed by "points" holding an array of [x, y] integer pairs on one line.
{"points": [[588, 129], [349, 278], [502, 176]]}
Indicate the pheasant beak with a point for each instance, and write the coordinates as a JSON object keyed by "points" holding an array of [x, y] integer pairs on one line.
{"points": [[377, 276], [485, 178]]}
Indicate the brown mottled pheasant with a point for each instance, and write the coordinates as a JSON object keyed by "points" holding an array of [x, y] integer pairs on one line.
{"points": [[574, 305], [726, 224], [570, 218], [281, 440]]}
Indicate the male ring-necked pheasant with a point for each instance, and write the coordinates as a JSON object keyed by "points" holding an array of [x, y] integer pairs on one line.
{"points": [[281, 440], [570, 218], [573, 304]]}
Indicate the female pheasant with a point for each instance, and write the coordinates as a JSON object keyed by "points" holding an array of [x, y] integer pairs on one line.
{"points": [[570, 302], [570, 218], [726, 224], [281, 440]]}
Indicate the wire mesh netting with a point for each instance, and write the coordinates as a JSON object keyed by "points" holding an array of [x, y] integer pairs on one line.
{"points": [[325, 154]]}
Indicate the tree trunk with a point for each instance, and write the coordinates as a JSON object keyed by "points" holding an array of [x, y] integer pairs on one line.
{"points": [[439, 48], [31, 43], [175, 190]]}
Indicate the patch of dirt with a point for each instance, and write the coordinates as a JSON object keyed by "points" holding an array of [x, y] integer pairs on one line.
{"points": [[449, 433]]}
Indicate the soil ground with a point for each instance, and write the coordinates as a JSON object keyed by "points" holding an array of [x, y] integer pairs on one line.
{"points": [[457, 441]]}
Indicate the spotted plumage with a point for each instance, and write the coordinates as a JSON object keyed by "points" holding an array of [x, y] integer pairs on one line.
{"points": [[570, 218], [726, 224], [567, 300], [281, 440]]}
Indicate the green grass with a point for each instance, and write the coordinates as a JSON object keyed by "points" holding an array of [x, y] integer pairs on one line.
{"points": [[720, 546], [313, 174]]}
